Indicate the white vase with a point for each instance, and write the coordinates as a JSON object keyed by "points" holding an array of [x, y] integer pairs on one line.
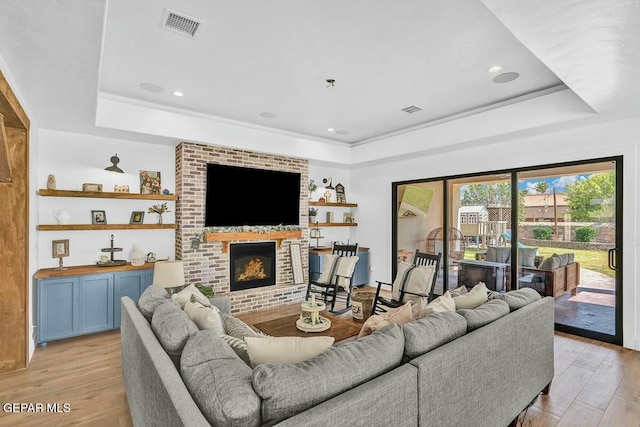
{"points": [[63, 217], [137, 257]]}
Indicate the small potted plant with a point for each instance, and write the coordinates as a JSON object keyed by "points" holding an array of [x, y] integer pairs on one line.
{"points": [[159, 209], [312, 214], [312, 187]]}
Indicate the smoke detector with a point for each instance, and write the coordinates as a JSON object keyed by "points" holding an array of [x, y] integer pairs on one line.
{"points": [[180, 23]]}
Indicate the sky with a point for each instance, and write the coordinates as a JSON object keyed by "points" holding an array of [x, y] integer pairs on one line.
{"points": [[559, 182]]}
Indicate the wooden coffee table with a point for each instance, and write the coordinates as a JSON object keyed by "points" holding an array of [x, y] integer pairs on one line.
{"points": [[286, 327]]}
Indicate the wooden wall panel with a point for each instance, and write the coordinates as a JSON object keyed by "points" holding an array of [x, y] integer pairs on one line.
{"points": [[14, 235]]}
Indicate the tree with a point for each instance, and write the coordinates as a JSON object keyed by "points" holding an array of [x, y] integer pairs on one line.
{"points": [[591, 199], [487, 194], [541, 187]]}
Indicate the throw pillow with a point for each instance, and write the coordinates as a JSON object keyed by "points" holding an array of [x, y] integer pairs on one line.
{"points": [[527, 256], [151, 298], [498, 254], [550, 263], [399, 315], [285, 349], [236, 327], [328, 268], [439, 305], [419, 280], [185, 295], [204, 317], [564, 259], [401, 274], [459, 291], [238, 346], [474, 298]]}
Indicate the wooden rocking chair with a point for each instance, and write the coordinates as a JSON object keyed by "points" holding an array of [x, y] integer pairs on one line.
{"points": [[327, 286]]}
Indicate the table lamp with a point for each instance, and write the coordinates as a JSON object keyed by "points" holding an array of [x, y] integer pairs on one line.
{"points": [[168, 274]]}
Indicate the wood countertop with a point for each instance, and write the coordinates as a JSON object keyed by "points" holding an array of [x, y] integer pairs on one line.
{"points": [[78, 270]]}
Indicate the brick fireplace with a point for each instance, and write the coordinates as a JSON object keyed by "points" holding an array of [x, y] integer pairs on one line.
{"points": [[209, 264]]}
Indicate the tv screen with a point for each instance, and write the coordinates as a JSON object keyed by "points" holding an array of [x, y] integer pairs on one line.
{"points": [[246, 196]]}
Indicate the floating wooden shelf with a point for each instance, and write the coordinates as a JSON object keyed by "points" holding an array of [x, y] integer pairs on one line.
{"points": [[75, 227], [334, 205], [225, 238], [105, 195], [332, 224]]}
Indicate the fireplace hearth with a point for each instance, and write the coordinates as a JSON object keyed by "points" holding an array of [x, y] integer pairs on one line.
{"points": [[252, 265]]}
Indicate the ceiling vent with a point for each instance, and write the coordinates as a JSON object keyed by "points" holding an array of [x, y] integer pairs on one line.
{"points": [[411, 109], [181, 24]]}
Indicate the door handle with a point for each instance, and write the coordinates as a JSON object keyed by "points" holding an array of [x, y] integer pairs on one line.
{"points": [[612, 259]]}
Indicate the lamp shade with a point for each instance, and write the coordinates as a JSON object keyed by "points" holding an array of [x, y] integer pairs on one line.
{"points": [[168, 274]]}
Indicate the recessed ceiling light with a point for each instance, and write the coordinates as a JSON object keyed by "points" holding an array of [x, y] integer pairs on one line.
{"points": [[330, 130], [268, 115], [178, 93], [495, 69], [506, 77], [150, 87]]}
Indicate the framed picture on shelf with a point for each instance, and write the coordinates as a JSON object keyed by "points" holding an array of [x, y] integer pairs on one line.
{"points": [[137, 217], [60, 248], [98, 217], [150, 182]]}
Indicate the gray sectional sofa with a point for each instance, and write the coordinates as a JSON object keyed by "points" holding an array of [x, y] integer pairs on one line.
{"points": [[478, 367]]}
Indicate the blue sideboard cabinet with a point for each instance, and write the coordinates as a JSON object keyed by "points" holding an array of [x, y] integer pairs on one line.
{"points": [[85, 299], [360, 275]]}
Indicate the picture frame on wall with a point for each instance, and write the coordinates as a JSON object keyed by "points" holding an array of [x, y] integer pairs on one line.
{"points": [[60, 248], [98, 217], [150, 182], [137, 217]]}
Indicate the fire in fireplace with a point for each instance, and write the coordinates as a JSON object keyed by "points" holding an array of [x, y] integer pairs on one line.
{"points": [[252, 265]]}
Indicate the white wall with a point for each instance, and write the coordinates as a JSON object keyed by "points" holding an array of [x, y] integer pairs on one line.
{"points": [[76, 159], [372, 184]]}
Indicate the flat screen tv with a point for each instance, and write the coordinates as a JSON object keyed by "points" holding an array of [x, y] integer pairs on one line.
{"points": [[238, 196]]}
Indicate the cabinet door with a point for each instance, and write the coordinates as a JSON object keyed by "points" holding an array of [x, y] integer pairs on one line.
{"points": [[96, 303], [361, 273], [57, 308], [130, 284]]}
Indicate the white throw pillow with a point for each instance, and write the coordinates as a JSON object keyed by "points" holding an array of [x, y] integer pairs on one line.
{"points": [[285, 349], [204, 317], [403, 270], [185, 295], [439, 305], [472, 299], [328, 269]]}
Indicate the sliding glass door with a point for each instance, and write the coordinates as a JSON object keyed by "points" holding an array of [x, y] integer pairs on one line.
{"points": [[553, 228], [569, 220]]}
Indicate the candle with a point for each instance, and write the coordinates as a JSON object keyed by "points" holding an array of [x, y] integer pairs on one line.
{"points": [[313, 300]]}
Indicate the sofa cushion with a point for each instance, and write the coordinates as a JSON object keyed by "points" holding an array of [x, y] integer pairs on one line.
{"points": [[288, 389], [222, 303], [185, 295], [425, 334], [399, 315], [173, 328], [498, 254], [236, 327], [472, 299], [527, 256], [518, 298], [550, 263], [459, 291], [441, 304], [485, 314], [285, 349], [219, 382], [151, 298], [564, 259], [204, 317]]}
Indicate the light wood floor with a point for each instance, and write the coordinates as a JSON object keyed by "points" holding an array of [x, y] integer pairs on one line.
{"points": [[595, 384]]}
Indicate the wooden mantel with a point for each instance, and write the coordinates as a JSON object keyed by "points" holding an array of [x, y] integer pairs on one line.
{"points": [[225, 238]]}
